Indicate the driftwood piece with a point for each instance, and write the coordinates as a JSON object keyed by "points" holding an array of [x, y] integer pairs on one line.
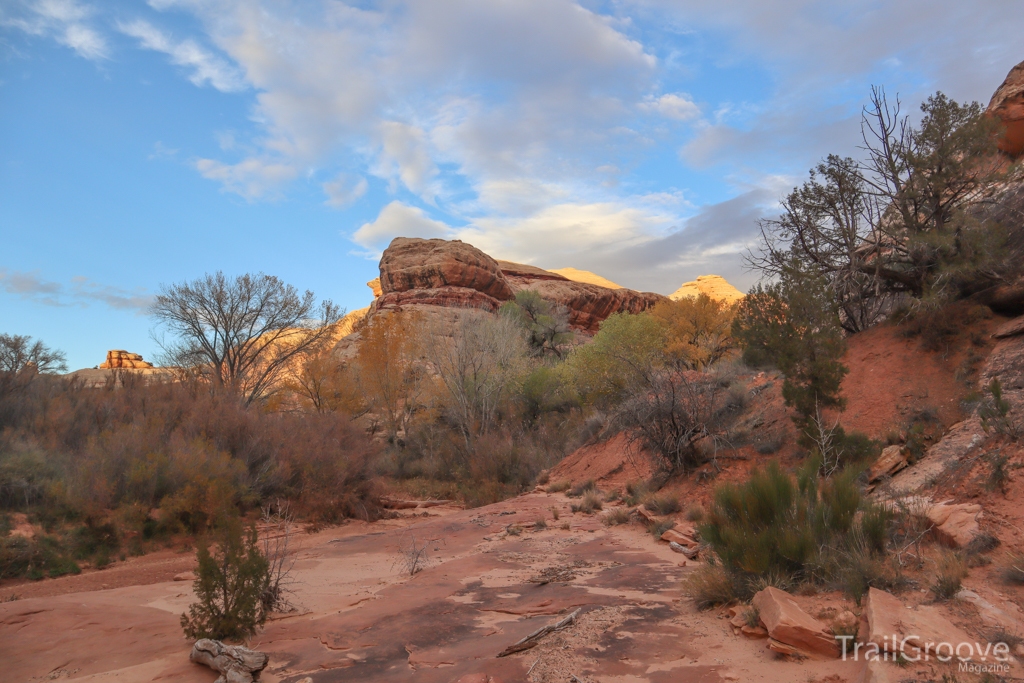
{"points": [[236, 664], [534, 638], [689, 552]]}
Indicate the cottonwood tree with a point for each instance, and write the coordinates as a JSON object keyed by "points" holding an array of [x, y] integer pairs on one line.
{"points": [[242, 333], [480, 363], [697, 330], [388, 375]]}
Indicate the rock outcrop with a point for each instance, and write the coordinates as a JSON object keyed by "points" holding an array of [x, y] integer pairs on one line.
{"points": [[715, 286], [790, 629], [122, 359], [236, 664], [1008, 106], [453, 274], [892, 627]]}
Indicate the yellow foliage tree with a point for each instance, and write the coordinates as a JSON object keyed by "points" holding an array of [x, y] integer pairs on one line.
{"points": [[697, 330], [388, 375]]}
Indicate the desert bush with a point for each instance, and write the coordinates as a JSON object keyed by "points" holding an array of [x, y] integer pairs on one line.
{"points": [[995, 412], [694, 513], [616, 517], [1013, 572], [559, 486], [589, 504], [636, 492], [540, 525], [581, 488], [229, 586], [670, 413], [665, 504], [951, 570], [874, 525], [709, 586], [998, 473]]}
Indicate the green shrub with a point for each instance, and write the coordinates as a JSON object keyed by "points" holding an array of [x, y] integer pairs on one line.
{"points": [[229, 586], [772, 524]]}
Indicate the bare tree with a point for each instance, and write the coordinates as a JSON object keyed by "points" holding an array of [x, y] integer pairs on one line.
{"points": [[242, 333], [21, 359], [479, 363]]}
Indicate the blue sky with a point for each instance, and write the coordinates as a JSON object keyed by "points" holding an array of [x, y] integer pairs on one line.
{"points": [[149, 143]]}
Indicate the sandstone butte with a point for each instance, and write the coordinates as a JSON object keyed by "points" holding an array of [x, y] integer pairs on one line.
{"points": [[427, 274], [715, 286], [453, 274], [119, 358], [1008, 106]]}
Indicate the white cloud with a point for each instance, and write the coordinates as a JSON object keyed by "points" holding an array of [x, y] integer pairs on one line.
{"points": [[205, 67], [675, 106], [399, 220], [81, 293], [252, 178], [404, 154], [66, 21], [344, 190]]}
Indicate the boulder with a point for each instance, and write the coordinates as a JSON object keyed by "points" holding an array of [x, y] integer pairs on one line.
{"points": [[236, 664], [956, 524], [1010, 329], [790, 628], [416, 264], [896, 628], [1007, 105], [891, 461]]}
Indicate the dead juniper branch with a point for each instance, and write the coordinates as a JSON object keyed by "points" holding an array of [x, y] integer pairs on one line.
{"points": [[412, 556], [534, 638], [278, 526]]}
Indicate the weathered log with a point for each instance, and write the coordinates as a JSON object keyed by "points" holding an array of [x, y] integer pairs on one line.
{"points": [[534, 638], [236, 664]]}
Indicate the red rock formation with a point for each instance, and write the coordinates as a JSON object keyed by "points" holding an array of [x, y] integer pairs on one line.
{"points": [[590, 304], [123, 359], [410, 263], [418, 272], [1008, 105]]}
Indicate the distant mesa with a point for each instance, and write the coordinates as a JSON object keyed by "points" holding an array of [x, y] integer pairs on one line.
{"points": [[587, 277], [715, 286], [1008, 105], [122, 359]]}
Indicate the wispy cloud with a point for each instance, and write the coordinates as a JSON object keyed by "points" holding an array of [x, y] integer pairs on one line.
{"points": [[66, 21], [81, 292], [204, 66]]}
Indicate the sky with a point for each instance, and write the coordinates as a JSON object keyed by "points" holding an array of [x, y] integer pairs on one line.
{"points": [[144, 144]]}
